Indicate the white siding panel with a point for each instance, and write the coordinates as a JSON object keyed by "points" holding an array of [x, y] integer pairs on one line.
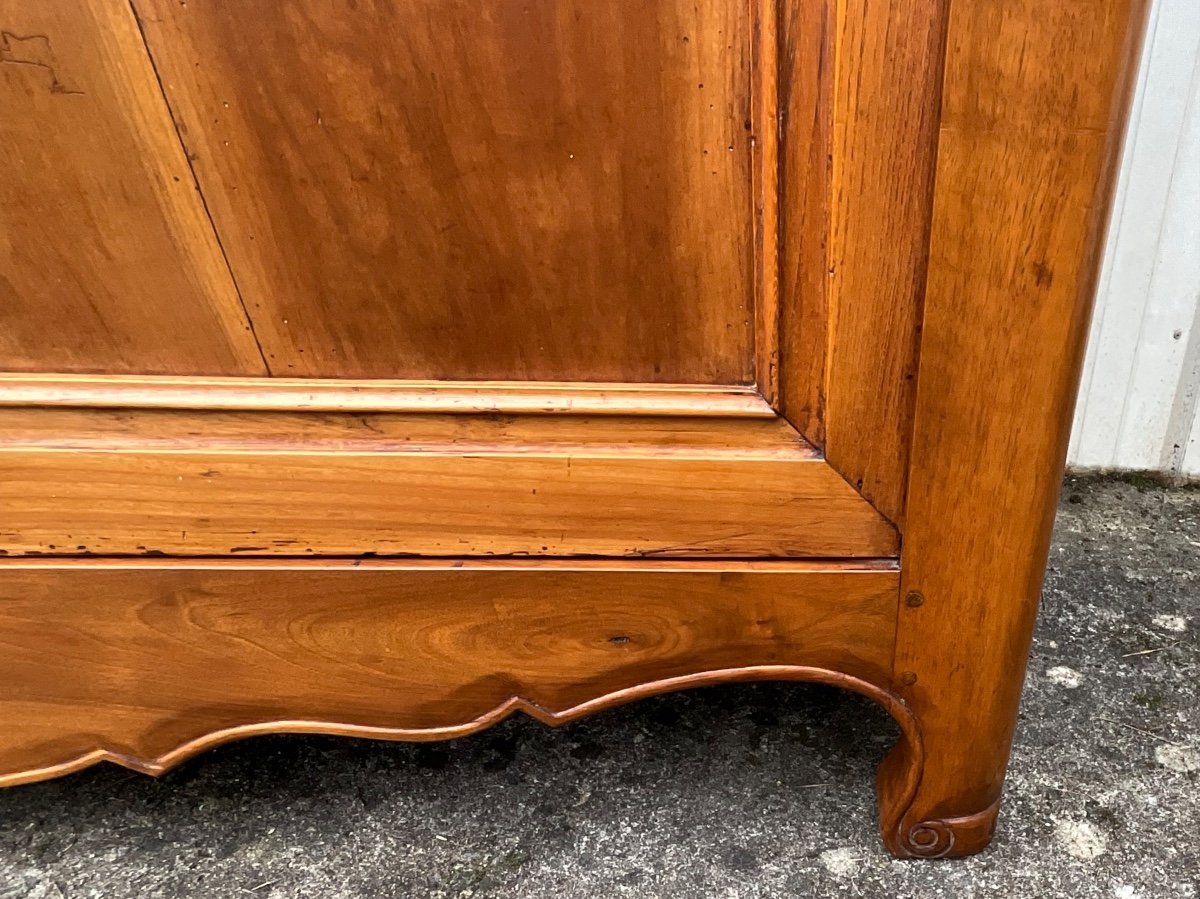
{"points": [[1138, 398], [1191, 462]]}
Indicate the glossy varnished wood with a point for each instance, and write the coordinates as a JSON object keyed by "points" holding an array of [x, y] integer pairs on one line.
{"points": [[805, 108], [240, 430], [146, 665], [242, 484], [859, 94], [107, 260], [556, 189], [764, 143], [880, 220], [886, 74], [1034, 94]]}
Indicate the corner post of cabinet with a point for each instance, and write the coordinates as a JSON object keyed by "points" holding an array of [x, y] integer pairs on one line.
{"points": [[1032, 114]]}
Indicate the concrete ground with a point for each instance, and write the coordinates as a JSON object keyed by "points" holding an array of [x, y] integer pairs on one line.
{"points": [[740, 791]]}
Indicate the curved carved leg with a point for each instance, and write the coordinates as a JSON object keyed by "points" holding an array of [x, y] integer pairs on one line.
{"points": [[907, 829], [1024, 169]]}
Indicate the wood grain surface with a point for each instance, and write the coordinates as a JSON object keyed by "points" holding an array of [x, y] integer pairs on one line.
{"points": [[805, 103], [266, 431], [146, 665], [185, 484], [1034, 98], [703, 208], [859, 92], [887, 75], [107, 259], [550, 190], [764, 142]]}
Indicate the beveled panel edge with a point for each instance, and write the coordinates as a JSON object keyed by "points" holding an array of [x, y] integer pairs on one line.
{"points": [[560, 503], [764, 123], [338, 395], [860, 100], [73, 428]]}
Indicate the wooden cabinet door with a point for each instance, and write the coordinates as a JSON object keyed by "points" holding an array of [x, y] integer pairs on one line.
{"points": [[383, 367], [527, 261]]}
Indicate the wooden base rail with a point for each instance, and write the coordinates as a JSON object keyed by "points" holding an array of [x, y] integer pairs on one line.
{"points": [[145, 665]]}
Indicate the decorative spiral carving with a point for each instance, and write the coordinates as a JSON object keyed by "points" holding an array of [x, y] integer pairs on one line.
{"points": [[941, 837], [930, 839]]}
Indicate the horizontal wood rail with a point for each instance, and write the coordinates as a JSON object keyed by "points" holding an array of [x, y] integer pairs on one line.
{"points": [[188, 483]]}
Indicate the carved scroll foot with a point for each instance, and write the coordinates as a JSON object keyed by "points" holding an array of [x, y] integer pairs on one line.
{"points": [[909, 835], [946, 837]]}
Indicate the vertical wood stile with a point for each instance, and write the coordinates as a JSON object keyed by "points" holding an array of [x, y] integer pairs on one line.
{"points": [[1033, 100]]}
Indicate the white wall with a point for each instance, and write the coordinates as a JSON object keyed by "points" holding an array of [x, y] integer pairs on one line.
{"points": [[1139, 400]]}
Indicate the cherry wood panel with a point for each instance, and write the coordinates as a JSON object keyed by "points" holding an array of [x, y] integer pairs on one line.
{"points": [[561, 190], [549, 190], [203, 484], [107, 259], [145, 666], [1034, 96], [343, 395]]}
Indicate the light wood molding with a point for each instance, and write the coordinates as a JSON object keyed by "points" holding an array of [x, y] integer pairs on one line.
{"points": [[342, 395], [764, 145]]}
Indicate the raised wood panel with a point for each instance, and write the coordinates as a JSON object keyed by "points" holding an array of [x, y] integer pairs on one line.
{"points": [[550, 190], [145, 666], [107, 259], [401, 485]]}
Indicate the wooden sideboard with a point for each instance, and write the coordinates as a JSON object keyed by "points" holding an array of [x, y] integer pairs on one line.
{"points": [[386, 367]]}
